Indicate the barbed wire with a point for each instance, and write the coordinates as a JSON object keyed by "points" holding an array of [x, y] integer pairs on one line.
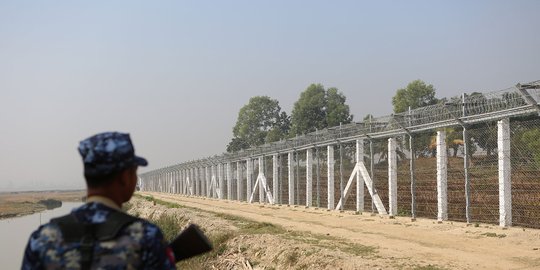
{"points": [[468, 109]]}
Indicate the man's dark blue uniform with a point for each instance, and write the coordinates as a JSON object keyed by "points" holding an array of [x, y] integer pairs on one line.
{"points": [[110, 171]]}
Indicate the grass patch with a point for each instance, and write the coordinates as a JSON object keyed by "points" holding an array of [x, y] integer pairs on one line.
{"points": [[292, 258], [428, 267], [261, 228], [250, 227], [168, 204], [494, 235], [247, 226], [330, 242], [161, 202], [171, 226], [356, 249]]}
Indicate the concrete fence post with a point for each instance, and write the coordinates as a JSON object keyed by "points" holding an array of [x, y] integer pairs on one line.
{"points": [[229, 181], [505, 173], [330, 173], [442, 177], [239, 181], [392, 177], [261, 173], [249, 174], [290, 166], [275, 177], [309, 178], [359, 182]]}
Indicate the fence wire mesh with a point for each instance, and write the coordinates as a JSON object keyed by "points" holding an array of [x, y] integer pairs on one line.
{"points": [[283, 197], [369, 161], [321, 178], [483, 172], [380, 170], [476, 202], [425, 174], [455, 174], [525, 160], [404, 176]]}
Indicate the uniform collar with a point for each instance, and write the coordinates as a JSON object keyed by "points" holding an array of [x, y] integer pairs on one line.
{"points": [[104, 200]]}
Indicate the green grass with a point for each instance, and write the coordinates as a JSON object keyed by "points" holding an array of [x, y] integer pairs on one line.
{"points": [[292, 258], [428, 267], [171, 227], [247, 226], [494, 235]]}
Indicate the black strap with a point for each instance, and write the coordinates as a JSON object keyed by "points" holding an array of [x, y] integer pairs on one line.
{"points": [[87, 234], [87, 247]]}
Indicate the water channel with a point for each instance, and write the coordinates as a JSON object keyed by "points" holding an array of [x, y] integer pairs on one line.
{"points": [[14, 233]]}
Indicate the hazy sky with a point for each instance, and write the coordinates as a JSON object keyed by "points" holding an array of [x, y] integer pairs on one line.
{"points": [[175, 73]]}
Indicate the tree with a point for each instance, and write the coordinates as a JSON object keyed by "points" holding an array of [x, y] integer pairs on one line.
{"points": [[318, 108], [237, 144], [336, 110], [309, 113], [531, 140], [417, 94], [280, 130], [260, 121]]}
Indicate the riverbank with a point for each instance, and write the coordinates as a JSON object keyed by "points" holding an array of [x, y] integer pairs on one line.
{"points": [[15, 204]]}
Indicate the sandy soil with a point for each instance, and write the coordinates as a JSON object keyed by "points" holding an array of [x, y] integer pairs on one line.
{"points": [[399, 243]]}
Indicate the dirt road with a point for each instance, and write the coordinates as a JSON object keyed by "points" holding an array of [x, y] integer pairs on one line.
{"points": [[451, 245]]}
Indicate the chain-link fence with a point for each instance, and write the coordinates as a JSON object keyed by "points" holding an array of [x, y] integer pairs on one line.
{"points": [[525, 160], [483, 172], [466, 180], [380, 169], [456, 174], [425, 174], [404, 176], [369, 162]]}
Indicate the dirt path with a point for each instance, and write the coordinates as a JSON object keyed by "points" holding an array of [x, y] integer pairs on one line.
{"points": [[452, 245]]}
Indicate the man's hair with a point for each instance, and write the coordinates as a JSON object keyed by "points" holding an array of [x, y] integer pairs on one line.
{"points": [[94, 181]]}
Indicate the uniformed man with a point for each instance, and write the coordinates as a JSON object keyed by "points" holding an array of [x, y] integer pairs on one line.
{"points": [[98, 235]]}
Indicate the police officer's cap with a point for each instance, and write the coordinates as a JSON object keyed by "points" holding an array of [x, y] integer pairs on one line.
{"points": [[107, 153]]}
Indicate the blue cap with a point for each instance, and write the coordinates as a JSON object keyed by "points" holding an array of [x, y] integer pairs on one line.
{"points": [[107, 153]]}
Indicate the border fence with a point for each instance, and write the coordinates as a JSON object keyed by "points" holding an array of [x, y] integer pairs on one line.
{"points": [[473, 158]]}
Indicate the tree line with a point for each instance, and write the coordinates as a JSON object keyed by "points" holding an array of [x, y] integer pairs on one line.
{"points": [[262, 121]]}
